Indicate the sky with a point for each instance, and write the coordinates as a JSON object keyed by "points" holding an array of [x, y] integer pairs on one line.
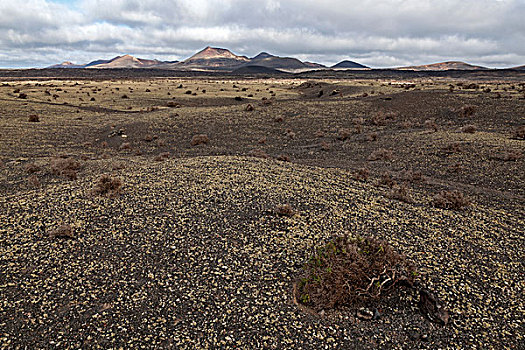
{"points": [[377, 33]]}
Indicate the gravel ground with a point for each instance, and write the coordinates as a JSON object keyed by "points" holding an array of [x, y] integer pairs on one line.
{"points": [[190, 255]]}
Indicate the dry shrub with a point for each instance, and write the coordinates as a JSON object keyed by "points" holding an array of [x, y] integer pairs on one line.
{"points": [[319, 134], [172, 104], [284, 210], [349, 271], [33, 181], [466, 111], [450, 200], [199, 140], [380, 154], [343, 134], [249, 108], [386, 179], [430, 124], [362, 174], [22, 95], [407, 124], [162, 157], [125, 146], [31, 168], [258, 153], [62, 231], [400, 192], [283, 158], [290, 134], [107, 186], [381, 118], [124, 96], [33, 118], [519, 133], [67, 167], [512, 156], [278, 119], [470, 129], [454, 147], [262, 140], [325, 146]]}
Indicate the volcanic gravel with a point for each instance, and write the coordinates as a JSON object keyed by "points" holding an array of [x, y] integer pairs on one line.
{"points": [[191, 255]]}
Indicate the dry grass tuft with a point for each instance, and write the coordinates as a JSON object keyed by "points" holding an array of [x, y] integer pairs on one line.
{"points": [[466, 111], [380, 154], [33, 118], [284, 210], [343, 134], [400, 192], [450, 200], [107, 186], [512, 156], [162, 157], [349, 271], [361, 174], [200, 139], [258, 153], [67, 167], [470, 129], [283, 158]]}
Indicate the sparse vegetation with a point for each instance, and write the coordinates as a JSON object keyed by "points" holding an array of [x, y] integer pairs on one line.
{"points": [[380, 154], [470, 129], [67, 167], [33, 118], [349, 271], [454, 200], [107, 186], [200, 139], [284, 210]]}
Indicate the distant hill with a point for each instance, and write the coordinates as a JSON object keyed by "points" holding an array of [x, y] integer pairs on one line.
{"points": [[265, 59], [126, 61], [349, 65], [450, 65], [213, 57], [519, 67], [66, 64]]}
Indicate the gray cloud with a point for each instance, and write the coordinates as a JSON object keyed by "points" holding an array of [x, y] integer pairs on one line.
{"points": [[373, 32]]}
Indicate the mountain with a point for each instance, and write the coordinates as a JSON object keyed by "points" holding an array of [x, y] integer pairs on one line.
{"points": [[257, 70], [213, 57], [518, 68], [66, 64], [450, 65], [265, 59], [126, 61], [348, 65]]}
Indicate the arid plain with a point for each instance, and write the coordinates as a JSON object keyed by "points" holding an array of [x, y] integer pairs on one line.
{"points": [[190, 253]]}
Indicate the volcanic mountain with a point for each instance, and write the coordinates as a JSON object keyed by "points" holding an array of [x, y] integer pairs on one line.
{"points": [[66, 64], [126, 61], [265, 59], [213, 57], [348, 65], [450, 65]]}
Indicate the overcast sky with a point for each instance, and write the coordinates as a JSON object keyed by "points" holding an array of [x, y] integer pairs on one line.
{"points": [[378, 33]]}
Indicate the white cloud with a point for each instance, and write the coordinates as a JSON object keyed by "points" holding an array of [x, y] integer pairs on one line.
{"points": [[374, 32]]}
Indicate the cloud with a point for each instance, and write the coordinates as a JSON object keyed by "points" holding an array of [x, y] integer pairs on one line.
{"points": [[374, 32]]}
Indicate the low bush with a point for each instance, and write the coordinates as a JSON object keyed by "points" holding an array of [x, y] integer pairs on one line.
{"points": [[107, 186], [349, 271], [470, 129], [380, 154], [199, 140], [454, 200], [284, 210], [66, 167], [33, 118]]}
